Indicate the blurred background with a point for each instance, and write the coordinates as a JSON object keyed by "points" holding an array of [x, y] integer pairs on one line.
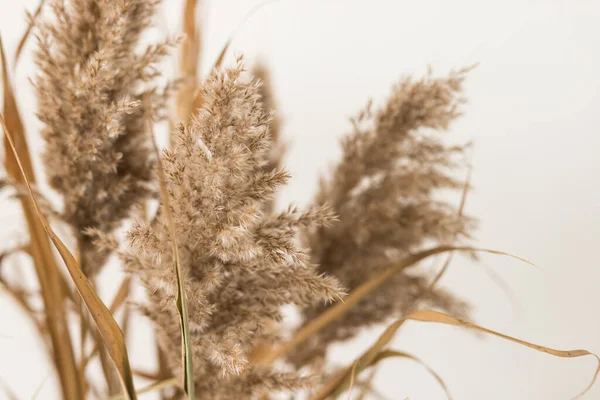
{"points": [[533, 114]]}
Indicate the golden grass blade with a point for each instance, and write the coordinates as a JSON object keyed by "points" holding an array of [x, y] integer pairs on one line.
{"points": [[121, 295], [371, 391], [155, 386], [335, 312], [30, 26], [394, 353], [191, 48], [146, 375], [340, 381], [434, 316], [20, 297], [352, 376], [117, 301], [190, 59], [107, 326], [367, 384], [385, 354], [246, 17], [107, 367], [197, 98], [14, 124], [110, 377], [49, 277], [186, 347], [461, 210], [126, 322]]}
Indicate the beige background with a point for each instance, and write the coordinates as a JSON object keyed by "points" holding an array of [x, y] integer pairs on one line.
{"points": [[533, 113]]}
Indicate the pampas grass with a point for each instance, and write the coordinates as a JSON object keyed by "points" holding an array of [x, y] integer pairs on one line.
{"points": [[216, 261]]}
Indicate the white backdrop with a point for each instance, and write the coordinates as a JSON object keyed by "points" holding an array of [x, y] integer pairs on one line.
{"points": [[533, 113]]}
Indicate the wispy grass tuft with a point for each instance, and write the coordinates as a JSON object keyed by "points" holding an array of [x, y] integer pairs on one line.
{"points": [[217, 260]]}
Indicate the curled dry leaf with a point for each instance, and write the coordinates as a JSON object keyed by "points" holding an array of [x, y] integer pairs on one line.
{"points": [[341, 381], [336, 311]]}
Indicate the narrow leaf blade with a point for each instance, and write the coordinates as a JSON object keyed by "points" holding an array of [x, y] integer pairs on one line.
{"points": [[338, 310], [107, 326], [342, 380], [188, 368]]}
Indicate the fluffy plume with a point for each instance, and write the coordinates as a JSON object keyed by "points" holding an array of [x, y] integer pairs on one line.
{"points": [[90, 84], [240, 265], [262, 74], [385, 192]]}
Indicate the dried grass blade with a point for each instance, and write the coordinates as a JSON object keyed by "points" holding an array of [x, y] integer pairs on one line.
{"points": [[21, 299], [155, 386], [30, 26], [221, 57], [352, 377], [186, 350], [190, 59], [107, 326], [461, 209], [367, 385], [246, 17], [107, 368], [15, 126], [385, 354], [394, 353], [117, 301], [335, 312], [121, 296], [147, 375], [340, 381], [435, 316], [49, 277]]}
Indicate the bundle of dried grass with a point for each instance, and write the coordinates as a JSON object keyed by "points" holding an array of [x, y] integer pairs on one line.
{"points": [[217, 262]]}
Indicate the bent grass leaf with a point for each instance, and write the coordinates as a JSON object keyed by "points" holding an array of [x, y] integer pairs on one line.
{"points": [[107, 326], [14, 124], [190, 59], [341, 381], [401, 354], [461, 209], [33, 18], [49, 277], [118, 300], [153, 387], [367, 384], [338, 310], [248, 15], [188, 368], [198, 98], [385, 354]]}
